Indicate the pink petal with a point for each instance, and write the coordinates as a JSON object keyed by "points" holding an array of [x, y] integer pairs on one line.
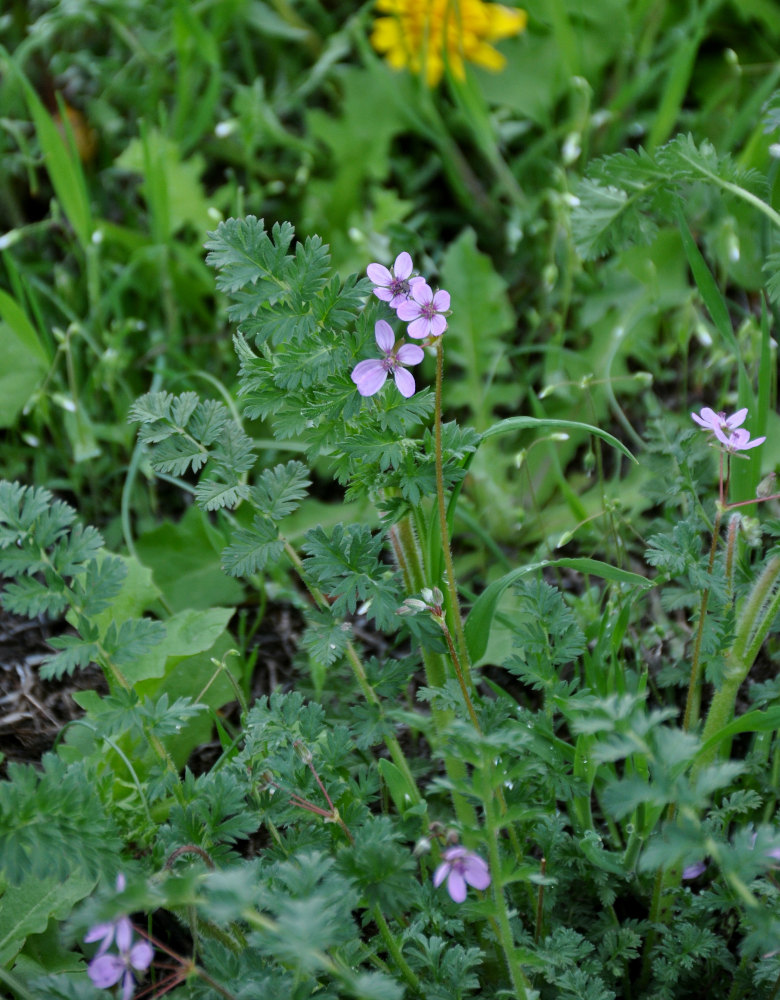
{"points": [[383, 293], [410, 354], [476, 871], [422, 293], [385, 337], [694, 416], [99, 932], [408, 311], [403, 265], [142, 953], [404, 380], [737, 419], [720, 435], [420, 328], [379, 274], [441, 873], [369, 376], [106, 970], [441, 301], [438, 325], [456, 886], [124, 934]]}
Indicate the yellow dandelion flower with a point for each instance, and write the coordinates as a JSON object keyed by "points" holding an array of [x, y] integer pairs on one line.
{"points": [[429, 34]]}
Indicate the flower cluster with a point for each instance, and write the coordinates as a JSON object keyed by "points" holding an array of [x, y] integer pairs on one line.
{"points": [[429, 36], [107, 969], [414, 302], [728, 430]]}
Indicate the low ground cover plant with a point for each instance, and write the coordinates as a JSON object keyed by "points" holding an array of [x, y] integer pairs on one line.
{"points": [[528, 742]]}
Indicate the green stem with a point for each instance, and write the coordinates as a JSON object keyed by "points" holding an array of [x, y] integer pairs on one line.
{"points": [[693, 700], [393, 746], [452, 589], [395, 950]]}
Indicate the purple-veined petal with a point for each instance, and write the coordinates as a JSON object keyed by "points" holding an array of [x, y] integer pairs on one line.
{"points": [[476, 872], [369, 376], [410, 354], [384, 294], [379, 274], [422, 293], [441, 873], [408, 310], [404, 381], [142, 953], [441, 301], [385, 337], [438, 325], [456, 886], [403, 265], [420, 328], [105, 970]]}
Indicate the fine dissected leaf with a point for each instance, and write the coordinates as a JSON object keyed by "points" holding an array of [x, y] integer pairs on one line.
{"points": [[253, 548], [278, 491], [243, 254]]}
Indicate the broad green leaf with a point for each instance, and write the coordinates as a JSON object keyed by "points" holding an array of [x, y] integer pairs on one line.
{"points": [[27, 908], [187, 633]]}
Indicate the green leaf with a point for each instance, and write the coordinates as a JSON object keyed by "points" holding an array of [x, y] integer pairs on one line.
{"points": [[483, 313], [27, 908], [478, 623], [186, 633], [512, 424]]}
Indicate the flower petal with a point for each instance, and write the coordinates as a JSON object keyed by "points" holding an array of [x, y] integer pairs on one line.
{"points": [[410, 354], [101, 932], [441, 301], [379, 274], [128, 985], [438, 325], [737, 419], [408, 310], [105, 970], [385, 337], [456, 886], [419, 329], [124, 934], [404, 381], [476, 872], [383, 293], [369, 376], [142, 953], [422, 292], [441, 873], [403, 265]]}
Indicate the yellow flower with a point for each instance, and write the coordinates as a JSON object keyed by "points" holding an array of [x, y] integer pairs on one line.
{"points": [[429, 34]]}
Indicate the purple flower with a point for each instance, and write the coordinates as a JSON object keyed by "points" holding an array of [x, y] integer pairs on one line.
{"points": [[393, 286], [423, 311], [106, 970], [460, 867], [728, 430], [738, 440], [105, 932], [369, 376], [714, 422], [694, 870]]}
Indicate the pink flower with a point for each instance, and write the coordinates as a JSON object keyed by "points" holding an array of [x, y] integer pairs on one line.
{"points": [[393, 286], [424, 311], [107, 969], [369, 376], [728, 430], [460, 867], [713, 421]]}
